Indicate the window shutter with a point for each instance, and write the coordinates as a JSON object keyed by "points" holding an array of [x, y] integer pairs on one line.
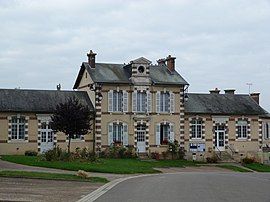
{"points": [[110, 133], [125, 134], [125, 101], [110, 101], [171, 132], [158, 134], [171, 102], [158, 101], [134, 101], [149, 102]]}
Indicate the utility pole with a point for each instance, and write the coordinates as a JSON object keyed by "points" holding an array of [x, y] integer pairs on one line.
{"points": [[249, 87]]}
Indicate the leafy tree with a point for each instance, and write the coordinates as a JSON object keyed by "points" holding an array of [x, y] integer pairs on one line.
{"points": [[72, 118]]}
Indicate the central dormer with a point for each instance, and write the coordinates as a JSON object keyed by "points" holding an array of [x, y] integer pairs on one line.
{"points": [[140, 72]]}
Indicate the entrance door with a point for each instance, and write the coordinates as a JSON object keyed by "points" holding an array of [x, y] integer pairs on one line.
{"points": [[46, 137], [141, 138], [220, 138]]}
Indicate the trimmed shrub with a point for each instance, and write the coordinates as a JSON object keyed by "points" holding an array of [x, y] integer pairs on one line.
{"points": [[212, 159], [30, 153], [248, 160]]}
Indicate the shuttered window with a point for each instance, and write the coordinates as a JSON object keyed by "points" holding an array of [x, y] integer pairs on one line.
{"points": [[117, 101], [165, 102]]}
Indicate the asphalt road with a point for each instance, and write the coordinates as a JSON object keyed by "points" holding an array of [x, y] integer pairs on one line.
{"points": [[210, 187]]}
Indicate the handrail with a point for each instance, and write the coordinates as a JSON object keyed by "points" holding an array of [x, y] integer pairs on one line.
{"points": [[219, 156]]}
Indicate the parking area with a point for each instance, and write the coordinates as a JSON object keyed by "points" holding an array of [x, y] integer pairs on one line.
{"points": [[17, 189]]}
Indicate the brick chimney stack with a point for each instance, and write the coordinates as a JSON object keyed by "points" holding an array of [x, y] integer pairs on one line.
{"points": [[171, 63], [255, 97], [91, 59], [229, 91], [216, 91], [161, 62]]}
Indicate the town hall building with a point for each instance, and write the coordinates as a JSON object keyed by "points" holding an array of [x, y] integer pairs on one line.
{"points": [[143, 105]]}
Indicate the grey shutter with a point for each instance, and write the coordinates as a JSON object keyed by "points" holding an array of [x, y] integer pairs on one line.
{"points": [[110, 101], [110, 133], [149, 102], [134, 101], [125, 134], [172, 105], [125, 101], [171, 132], [158, 101], [158, 134]]}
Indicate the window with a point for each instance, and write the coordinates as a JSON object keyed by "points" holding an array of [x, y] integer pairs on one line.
{"points": [[164, 102], [164, 133], [18, 128], [117, 101], [117, 132], [46, 132], [141, 102], [266, 130], [242, 129], [141, 132], [196, 128], [77, 137]]}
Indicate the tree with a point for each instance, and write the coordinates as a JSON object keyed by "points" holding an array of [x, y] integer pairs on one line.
{"points": [[72, 118]]}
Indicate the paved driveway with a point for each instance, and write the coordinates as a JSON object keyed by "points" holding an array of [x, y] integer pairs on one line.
{"points": [[193, 186]]}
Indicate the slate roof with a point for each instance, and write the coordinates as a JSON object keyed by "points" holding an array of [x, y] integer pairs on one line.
{"points": [[222, 104], [120, 73], [38, 101]]}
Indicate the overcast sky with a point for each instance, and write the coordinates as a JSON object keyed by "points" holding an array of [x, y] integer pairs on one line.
{"points": [[224, 44]]}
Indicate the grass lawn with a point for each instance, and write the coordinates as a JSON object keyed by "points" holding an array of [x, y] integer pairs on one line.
{"points": [[233, 168], [119, 166], [258, 167], [49, 176]]}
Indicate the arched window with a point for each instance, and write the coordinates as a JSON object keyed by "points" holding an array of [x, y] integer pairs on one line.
{"points": [[196, 128], [18, 128]]}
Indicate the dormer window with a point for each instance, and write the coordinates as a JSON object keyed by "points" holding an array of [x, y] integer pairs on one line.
{"points": [[141, 69]]}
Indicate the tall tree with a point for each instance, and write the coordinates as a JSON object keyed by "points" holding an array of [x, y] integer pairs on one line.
{"points": [[72, 118]]}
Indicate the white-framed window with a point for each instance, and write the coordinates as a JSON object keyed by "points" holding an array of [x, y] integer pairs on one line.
{"points": [[117, 101], [118, 133], [196, 128], [165, 102], [266, 130], [46, 132], [164, 133], [141, 102], [17, 127], [242, 126]]}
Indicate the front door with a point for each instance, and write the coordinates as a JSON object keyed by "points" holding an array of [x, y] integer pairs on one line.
{"points": [[220, 138], [141, 138], [46, 137]]}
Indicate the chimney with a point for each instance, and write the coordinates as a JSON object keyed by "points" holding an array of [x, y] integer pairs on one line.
{"points": [[58, 87], [171, 63], [229, 91], [216, 91], [255, 97], [161, 62], [91, 59]]}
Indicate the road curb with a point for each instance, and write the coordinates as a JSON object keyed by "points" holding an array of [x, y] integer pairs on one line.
{"points": [[102, 190]]}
